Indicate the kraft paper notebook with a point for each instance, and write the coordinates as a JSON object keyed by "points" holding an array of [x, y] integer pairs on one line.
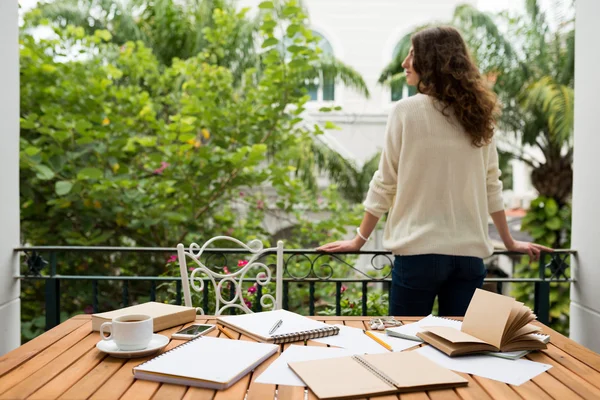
{"points": [[164, 315], [492, 323], [207, 362], [294, 327], [374, 374]]}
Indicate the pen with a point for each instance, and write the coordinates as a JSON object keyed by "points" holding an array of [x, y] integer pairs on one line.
{"points": [[276, 326], [375, 338], [224, 332]]}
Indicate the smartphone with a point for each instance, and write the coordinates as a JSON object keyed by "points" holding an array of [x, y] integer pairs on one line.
{"points": [[193, 331]]}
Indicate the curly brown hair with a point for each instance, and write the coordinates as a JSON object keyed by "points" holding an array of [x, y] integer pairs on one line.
{"points": [[448, 74]]}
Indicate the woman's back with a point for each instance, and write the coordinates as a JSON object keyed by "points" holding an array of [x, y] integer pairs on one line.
{"points": [[441, 190]]}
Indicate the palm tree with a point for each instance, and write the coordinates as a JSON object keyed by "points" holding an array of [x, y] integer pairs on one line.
{"points": [[534, 82]]}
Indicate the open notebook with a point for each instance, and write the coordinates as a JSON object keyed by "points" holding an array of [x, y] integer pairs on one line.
{"points": [[492, 323], [207, 362], [294, 327], [374, 374]]}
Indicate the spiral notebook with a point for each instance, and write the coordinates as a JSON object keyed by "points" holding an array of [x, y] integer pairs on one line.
{"points": [[374, 374], [294, 327], [206, 362]]}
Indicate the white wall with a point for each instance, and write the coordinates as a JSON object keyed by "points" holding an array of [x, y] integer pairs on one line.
{"points": [[585, 296], [10, 307]]}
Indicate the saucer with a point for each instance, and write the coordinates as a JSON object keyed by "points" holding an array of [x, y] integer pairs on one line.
{"points": [[157, 343]]}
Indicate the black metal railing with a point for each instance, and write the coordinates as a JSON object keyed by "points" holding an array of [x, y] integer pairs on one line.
{"points": [[364, 269]]}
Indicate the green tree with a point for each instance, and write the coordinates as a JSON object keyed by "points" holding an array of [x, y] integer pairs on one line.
{"points": [[119, 149], [180, 30]]}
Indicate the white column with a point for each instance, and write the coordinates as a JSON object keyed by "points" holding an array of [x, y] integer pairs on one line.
{"points": [[10, 306], [585, 296]]}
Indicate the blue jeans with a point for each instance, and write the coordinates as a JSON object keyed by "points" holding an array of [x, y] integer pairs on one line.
{"points": [[417, 280]]}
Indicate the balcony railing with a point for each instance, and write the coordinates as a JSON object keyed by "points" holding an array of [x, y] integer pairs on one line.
{"points": [[369, 270]]}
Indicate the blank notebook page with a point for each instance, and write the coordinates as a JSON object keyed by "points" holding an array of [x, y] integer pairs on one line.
{"points": [[261, 323], [210, 359]]}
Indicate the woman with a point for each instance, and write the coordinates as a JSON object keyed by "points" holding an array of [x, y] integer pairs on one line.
{"points": [[439, 179]]}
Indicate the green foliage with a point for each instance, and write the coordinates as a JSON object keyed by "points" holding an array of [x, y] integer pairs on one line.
{"points": [[120, 148], [550, 225], [351, 303]]}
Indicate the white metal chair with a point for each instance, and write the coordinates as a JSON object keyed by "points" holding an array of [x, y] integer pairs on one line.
{"points": [[255, 247]]}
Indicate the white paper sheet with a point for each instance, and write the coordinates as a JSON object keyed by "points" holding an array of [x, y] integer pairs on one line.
{"points": [[278, 373], [514, 372], [410, 330], [357, 342]]}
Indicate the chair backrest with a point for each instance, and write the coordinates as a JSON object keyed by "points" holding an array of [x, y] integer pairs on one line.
{"points": [[235, 279]]}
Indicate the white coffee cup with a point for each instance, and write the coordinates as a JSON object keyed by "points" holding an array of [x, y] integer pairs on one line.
{"points": [[129, 332]]}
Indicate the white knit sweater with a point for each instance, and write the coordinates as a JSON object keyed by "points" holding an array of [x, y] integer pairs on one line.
{"points": [[438, 187]]}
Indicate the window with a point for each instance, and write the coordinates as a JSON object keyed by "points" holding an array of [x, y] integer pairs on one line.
{"points": [[323, 87], [401, 90]]}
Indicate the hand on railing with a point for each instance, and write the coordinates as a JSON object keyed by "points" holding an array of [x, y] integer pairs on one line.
{"points": [[533, 249], [342, 246]]}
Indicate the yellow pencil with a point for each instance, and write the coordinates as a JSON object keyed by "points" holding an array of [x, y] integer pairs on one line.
{"points": [[375, 338], [224, 332]]}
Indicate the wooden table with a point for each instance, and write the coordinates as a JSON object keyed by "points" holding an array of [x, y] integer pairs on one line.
{"points": [[64, 363]]}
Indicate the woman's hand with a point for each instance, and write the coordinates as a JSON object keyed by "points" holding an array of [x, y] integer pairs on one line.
{"points": [[532, 249], [343, 246]]}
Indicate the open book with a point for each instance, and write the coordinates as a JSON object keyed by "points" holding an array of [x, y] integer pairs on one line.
{"points": [[492, 323], [293, 327], [374, 374]]}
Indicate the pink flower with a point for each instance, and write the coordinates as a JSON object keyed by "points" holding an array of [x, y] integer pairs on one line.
{"points": [[343, 289], [163, 166], [260, 204], [352, 305], [242, 263], [252, 289], [242, 194], [88, 309], [191, 269], [248, 303], [226, 270], [261, 275], [172, 259]]}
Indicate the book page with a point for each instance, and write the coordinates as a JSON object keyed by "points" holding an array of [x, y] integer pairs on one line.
{"points": [[354, 340], [410, 331], [453, 335], [487, 316]]}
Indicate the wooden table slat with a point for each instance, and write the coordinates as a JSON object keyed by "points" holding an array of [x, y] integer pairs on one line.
{"points": [[445, 394], [554, 387], [495, 389], [35, 346], [69, 377], [472, 391], [573, 364], [11, 378], [531, 391], [577, 384], [43, 375], [63, 363], [572, 348]]}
